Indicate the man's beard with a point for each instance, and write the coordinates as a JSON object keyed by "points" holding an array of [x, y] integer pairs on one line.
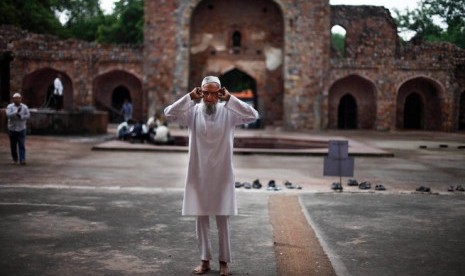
{"points": [[210, 109]]}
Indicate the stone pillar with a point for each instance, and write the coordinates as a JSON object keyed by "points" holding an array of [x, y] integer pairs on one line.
{"points": [[159, 53], [307, 29]]}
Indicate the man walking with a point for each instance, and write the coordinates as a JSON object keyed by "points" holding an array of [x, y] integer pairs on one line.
{"points": [[17, 114], [209, 189]]}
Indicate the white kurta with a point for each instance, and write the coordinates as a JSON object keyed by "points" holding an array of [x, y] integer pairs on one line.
{"points": [[210, 180]]}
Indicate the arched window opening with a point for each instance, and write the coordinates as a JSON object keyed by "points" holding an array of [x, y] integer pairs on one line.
{"points": [[338, 40], [347, 113], [413, 112], [236, 41]]}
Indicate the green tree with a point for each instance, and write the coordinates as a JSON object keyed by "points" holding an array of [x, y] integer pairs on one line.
{"points": [[424, 21], [32, 15], [338, 43], [83, 18], [127, 23]]}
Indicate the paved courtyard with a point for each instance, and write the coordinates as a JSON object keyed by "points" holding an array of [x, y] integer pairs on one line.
{"points": [[76, 211]]}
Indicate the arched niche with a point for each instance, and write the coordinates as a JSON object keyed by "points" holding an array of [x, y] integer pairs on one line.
{"points": [[363, 92], [112, 88]]}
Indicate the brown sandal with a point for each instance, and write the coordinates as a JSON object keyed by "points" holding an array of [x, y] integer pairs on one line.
{"points": [[201, 269]]}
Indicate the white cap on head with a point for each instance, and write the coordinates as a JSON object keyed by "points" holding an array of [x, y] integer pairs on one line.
{"points": [[16, 95], [210, 79]]}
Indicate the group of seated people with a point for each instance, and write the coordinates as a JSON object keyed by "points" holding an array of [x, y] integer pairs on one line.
{"points": [[155, 131]]}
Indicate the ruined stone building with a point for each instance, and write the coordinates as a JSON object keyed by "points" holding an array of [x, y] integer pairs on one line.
{"points": [[276, 53]]}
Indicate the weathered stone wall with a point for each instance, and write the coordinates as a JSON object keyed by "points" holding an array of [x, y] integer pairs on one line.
{"points": [[37, 59], [184, 40]]}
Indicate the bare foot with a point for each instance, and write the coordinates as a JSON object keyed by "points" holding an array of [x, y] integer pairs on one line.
{"points": [[224, 269], [202, 268]]}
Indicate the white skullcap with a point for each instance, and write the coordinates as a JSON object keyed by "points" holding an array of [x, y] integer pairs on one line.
{"points": [[209, 79], [16, 95]]}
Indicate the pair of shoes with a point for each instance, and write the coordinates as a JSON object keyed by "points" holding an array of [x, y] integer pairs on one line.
{"points": [[365, 185], [380, 187], [289, 185], [451, 188], [247, 185], [201, 269], [272, 186], [238, 184], [352, 182], [337, 186], [256, 184], [224, 269], [423, 189], [460, 188]]}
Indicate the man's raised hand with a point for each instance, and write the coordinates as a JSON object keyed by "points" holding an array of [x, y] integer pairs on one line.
{"points": [[196, 94], [224, 94]]}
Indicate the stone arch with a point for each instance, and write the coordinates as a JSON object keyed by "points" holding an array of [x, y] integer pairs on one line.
{"points": [[37, 88], [347, 112], [363, 91], [430, 94], [461, 124], [239, 83], [111, 88], [260, 55]]}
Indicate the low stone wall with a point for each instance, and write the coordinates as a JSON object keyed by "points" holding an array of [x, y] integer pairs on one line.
{"points": [[52, 122]]}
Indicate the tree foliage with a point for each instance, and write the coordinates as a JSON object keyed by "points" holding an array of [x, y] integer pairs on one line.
{"points": [[127, 23], [33, 15], [436, 20], [80, 19]]}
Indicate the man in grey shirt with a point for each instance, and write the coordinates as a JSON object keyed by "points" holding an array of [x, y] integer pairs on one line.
{"points": [[17, 114]]}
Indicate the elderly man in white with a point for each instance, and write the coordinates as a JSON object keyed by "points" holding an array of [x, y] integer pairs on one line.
{"points": [[209, 189]]}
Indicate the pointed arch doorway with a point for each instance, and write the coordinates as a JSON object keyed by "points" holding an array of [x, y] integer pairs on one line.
{"points": [[347, 113], [413, 112], [242, 86]]}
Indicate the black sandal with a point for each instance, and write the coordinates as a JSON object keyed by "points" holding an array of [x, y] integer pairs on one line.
{"points": [[365, 185]]}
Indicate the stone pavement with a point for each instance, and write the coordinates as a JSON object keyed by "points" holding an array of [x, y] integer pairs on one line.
{"points": [[74, 211]]}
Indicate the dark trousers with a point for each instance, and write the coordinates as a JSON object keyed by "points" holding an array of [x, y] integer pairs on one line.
{"points": [[58, 101], [17, 139]]}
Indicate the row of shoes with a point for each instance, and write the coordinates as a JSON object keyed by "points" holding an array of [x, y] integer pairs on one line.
{"points": [[458, 188], [365, 185], [271, 185]]}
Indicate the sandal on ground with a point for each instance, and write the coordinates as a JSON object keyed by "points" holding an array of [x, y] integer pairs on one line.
{"points": [[460, 188], [352, 182], [256, 184], [380, 187], [224, 271], [272, 186], [289, 185], [337, 186], [238, 184], [450, 189], [247, 185], [201, 269], [365, 185]]}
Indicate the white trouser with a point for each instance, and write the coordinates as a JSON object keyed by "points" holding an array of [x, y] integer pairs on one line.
{"points": [[203, 230]]}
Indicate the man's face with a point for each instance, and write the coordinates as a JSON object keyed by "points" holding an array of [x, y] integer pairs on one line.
{"points": [[210, 93], [17, 100]]}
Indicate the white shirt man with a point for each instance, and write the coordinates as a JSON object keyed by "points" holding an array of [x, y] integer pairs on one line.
{"points": [[58, 93], [210, 180]]}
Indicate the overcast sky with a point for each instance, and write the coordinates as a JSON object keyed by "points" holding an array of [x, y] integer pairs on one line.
{"points": [[107, 5], [401, 5]]}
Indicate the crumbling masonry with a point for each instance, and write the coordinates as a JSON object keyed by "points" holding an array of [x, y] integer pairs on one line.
{"points": [[279, 51]]}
